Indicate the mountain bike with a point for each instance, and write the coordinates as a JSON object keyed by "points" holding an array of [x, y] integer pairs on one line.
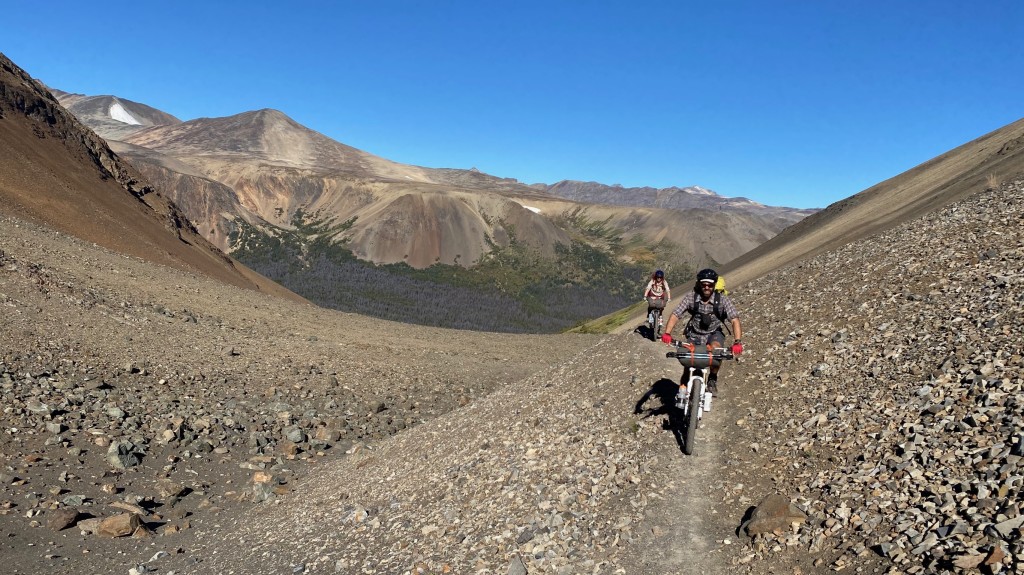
{"points": [[654, 317], [693, 397], [654, 322]]}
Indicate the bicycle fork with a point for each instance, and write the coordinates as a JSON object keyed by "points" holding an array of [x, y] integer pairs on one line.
{"points": [[682, 397]]}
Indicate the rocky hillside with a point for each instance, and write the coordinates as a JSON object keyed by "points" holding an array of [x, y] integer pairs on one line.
{"points": [[878, 401], [886, 393], [142, 398], [56, 171], [994, 157]]}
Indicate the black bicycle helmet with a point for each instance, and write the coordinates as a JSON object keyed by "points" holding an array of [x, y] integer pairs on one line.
{"points": [[707, 274], [659, 274]]}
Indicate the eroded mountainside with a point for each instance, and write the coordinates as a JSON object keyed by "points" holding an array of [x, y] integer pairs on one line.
{"points": [[347, 229], [56, 171]]}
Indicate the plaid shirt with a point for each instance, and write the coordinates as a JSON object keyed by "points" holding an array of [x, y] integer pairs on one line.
{"points": [[707, 308]]}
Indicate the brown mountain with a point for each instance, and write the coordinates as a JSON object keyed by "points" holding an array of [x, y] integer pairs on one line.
{"points": [[298, 207], [59, 173], [275, 168]]}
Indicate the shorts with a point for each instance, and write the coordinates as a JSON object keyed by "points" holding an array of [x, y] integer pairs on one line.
{"points": [[707, 338]]}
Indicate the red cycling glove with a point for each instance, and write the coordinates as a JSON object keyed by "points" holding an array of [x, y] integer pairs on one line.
{"points": [[737, 348], [666, 338]]}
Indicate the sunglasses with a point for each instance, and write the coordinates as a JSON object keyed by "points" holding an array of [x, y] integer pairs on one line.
{"points": [[707, 284]]}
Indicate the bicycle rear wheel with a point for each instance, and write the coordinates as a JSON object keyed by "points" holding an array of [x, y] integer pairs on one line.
{"points": [[693, 417]]}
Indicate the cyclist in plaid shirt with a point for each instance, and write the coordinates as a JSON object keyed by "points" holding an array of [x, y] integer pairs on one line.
{"points": [[708, 311]]}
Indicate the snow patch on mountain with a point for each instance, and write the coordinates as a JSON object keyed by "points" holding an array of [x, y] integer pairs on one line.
{"points": [[118, 113]]}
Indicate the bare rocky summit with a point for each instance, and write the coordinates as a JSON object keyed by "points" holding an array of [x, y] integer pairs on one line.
{"points": [[262, 168], [111, 117]]}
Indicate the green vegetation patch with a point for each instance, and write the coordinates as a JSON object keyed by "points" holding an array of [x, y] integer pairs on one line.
{"points": [[512, 289]]}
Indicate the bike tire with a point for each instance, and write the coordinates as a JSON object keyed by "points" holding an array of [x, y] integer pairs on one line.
{"points": [[693, 416], [653, 324]]}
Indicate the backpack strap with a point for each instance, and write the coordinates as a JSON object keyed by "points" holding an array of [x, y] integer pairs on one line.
{"points": [[720, 313]]}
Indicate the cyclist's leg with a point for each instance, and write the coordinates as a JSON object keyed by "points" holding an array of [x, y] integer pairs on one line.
{"points": [[716, 340]]}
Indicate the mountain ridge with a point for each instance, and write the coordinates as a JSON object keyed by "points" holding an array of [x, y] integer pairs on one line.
{"points": [[324, 218], [981, 163], [197, 144], [66, 176]]}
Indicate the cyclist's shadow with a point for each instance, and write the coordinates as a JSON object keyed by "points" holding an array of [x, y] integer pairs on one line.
{"points": [[645, 331], [664, 391]]}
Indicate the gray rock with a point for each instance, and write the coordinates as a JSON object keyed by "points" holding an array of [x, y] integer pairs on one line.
{"points": [[517, 567], [123, 454]]}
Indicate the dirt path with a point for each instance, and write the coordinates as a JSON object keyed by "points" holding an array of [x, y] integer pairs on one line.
{"points": [[689, 529]]}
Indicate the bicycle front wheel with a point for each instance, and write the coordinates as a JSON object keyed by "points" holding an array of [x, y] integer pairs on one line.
{"points": [[652, 322], [693, 415]]}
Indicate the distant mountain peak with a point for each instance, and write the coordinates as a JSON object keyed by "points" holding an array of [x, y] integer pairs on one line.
{"points": [[270, 114], [671, 198], [112, 117]]}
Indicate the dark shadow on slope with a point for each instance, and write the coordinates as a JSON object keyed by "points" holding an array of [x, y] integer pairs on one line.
{"points": [[644, 331], [664, 390]]}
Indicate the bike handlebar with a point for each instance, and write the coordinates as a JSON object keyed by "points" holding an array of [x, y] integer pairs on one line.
{"points": [[717, 353]]}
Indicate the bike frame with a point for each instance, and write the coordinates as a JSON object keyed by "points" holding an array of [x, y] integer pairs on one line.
{"points": [[696, 384], [693, 397]]}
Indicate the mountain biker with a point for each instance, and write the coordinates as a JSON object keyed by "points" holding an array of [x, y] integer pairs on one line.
{"points": [[708, 310], [657, 293]]}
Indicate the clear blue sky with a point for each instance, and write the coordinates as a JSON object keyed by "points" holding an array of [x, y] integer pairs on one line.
{"points": [[787, 103]]}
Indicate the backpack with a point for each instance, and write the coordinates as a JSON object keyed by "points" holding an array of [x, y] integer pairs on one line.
{"points": [[720, 286], [717, 301]]}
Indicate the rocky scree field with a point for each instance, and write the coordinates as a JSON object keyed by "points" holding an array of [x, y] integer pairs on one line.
{"points": [[886, 399], [134, 390], [221, 431]]}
